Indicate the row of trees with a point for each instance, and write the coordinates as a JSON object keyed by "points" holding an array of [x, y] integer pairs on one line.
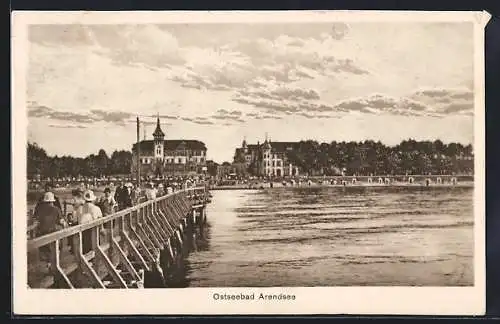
{"points": [[370, 157], [43, 165], [312, 157]]}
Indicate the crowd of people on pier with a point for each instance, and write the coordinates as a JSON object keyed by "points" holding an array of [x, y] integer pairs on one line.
{"points": [[50, 214]]}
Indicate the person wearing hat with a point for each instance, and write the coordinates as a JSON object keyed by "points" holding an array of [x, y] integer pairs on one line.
{"points": [[49, 219], [107, 203], [161, 190], [86, 213], [48, 216], [151, 192], [123, 195], [48, 188]]}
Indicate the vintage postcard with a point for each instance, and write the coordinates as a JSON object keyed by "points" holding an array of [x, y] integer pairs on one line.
{"points": [[248, 163]]}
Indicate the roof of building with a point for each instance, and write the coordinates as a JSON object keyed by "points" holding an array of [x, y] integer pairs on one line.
{"points": [[172, 145], [158, 132]]}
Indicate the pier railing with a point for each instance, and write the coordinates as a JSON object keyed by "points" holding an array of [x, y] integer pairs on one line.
{"points": [[119, 247]]}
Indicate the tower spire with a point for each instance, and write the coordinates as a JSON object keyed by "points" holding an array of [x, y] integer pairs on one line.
{"points": [[158, 133]]}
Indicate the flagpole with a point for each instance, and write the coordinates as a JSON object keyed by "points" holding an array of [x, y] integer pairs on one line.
{"points": [[138, 150]]}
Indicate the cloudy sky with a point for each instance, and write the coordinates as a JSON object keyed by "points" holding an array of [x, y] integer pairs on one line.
{"points": [[221, 82]]}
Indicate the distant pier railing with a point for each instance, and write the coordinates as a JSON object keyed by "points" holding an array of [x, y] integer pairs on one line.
{"points": [[117, 251], [461, 180], [401, 179]]}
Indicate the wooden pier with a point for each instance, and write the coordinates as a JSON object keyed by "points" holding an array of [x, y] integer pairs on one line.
{"points": [[126, 248]]}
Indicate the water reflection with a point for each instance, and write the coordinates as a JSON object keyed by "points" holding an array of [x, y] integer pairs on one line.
{"points": [[196, 241], [333, 237]]}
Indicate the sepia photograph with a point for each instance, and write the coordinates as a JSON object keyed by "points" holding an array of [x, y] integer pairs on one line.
{"points": [[250, 156]]}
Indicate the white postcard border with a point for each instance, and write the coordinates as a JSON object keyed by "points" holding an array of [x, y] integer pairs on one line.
{"points": [[318, 300]]}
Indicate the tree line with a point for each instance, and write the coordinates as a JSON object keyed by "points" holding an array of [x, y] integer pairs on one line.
{"points": [[40, 164], [370, 157], [312, 157], [374, 158]]}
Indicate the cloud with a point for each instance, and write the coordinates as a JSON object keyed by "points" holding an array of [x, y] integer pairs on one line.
{"points": [[166, 116], [148, 123], [203, 122], [285, 55], [235, 64], [283, 99], [268, 105], [426, 102], [117, 117], [281, 93], [382, 104], [228, 116], [447, 101], [38, 111], [458, 108], [46, 112], [347, 65], [198, 120], [307, 103], [230, 113], [316, 116], [238, 65], [66, 126], [95, 115], [268, 117], [127, 45]]}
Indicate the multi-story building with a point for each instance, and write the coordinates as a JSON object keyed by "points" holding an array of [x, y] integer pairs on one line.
{"points": [[267, 159], [160, 157]]}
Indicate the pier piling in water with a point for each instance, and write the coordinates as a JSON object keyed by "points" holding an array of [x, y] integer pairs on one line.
{"points": [[141, 243]]}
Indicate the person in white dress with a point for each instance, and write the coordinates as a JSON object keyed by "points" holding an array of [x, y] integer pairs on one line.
{"points": [[87, 213]]}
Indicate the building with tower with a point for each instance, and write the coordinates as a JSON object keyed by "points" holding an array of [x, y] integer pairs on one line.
{"points": [[160, 157], [267, 159]]}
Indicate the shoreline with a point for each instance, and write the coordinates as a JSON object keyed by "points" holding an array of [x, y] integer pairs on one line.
{"points": [[362, 185]]}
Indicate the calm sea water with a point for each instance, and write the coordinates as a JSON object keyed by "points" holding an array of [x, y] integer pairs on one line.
{"points": [[336, 237]]}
